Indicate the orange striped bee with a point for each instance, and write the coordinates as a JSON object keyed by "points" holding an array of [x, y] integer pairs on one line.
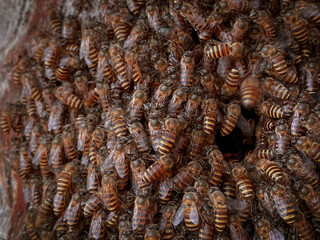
{"points": [[229, 188], [83, 141], [276, 89], [169, 134], [303, 170], [65, 178], [249, 91], [231, 119], [152, 233], [134, 71], [265, 230], [161, 65], [35, 138], [42, 156], [312, 123], [165, 188], [186, 175], [297, 128], [243, 182], [5, 120], [138, 168], [55, 22], [263, 19], [68, 144], [272, 110], [140, 213], [197, 142], [277, 59], [209, 111], [311, 198], [119, 65], [51, 53], [81, 84], [308, 10], [29, 85], [101, 89], [193, 102], [25, 167], [226, 6], [117, 122], [109, 195], [217, 167], [46, 205], [93, 204], [155, 131], [36, 191], [231, 83], [56, 154], [104, 70], [156, 170], [91, 98], [179, 96], [187, 64], [97, 230], [135, 108], [218, 201], [121, 166], [140, 137], [271, 169], [283, 203]]}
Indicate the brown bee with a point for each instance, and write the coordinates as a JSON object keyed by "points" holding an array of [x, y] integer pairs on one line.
{"points": [[209, 110], [35, 138], [109, 192], [157, 169], [230, 121], [231, 83], [162, 93], [179, 96], [140, 213], [101, 90], [68, 98], [239, 30], [169, 134], [5, 120], [165, 188], [226, 6], [229, 188], [303, 227], [197, 141], [249, 91], [187, 64], [25, 166], [216, 49], [277, 59], [117, 122], [311, 76], [217, 167], [265, 201], [308, 10], [68, 145], [137, 33], [152, 233], [55, 22], [73, 210], [91, 98], [93, 204], [154, 18], [207, 81], [46, 205], [59, 204], [140, 136], [264, 229], [97, 230], [273, 111], [263, 19], [65, 178], [138, 168], [70, 30], [167, 229], [243, 182], [120, 28], [88, 50], [56, 154], [92, 183], [42, 157], [155, 131], [282, 138], [186, 175], [305, 145], [218, 201], [51, 53], [193, 103], [236, 229], [121, 166], [311, 198], [284, 203], [135, 107], [271, 169]]}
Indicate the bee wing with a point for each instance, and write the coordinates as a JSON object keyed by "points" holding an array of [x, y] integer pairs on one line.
{"points": [[72, 209], [178, 217], [84, 47], [280, 203], [275, 234], [81, 139], [120, 162], [236, 205], [91, 178], [194, 214], [165, 186], [108, 162], [164, 220], [245, 126], [95, 227]]}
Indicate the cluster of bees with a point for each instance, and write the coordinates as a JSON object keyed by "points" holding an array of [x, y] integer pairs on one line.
{"points": [[130, 112]]}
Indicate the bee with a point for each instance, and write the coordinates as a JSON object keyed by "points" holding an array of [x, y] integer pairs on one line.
{"points": [[269, 168], [109, 192], [236, 229], [169, 134], [207, 81], [311, 198], [229, 188], [96, 143], [55, 22], [312, 72], [138, 168], [88, 50], [297, 128], [283, 203], [231, 83], [101, 90], [155, 131], [186, 175], [167, 229], [305, 145], [117, 122], [217, 50], [309, 11], [80, 82], [157, 169], [68, 145], [35, 138], [59, 204], [42, 156], [312, 124], [161, 65], [264, 229], [277, 59], [140, 136], [263, 19], [36, 192], [239, 30], [243, 182], [121, 166], [93, 204], [5, 121], [56, 154], [233, 111], [119, 65], [91, 98], [46, 205], [303, 227], [135, 108], [120, 28], [290, 77], [152, 233], [209, 110], [162, 93], [154, 18], [197, 142], [276, 89], [226, 6], [84, 137], [68, 98], [178, 98], [140, 213], [187, 64], [64, 180], [206, 231], [217, 168], [70, 30], [73, 211], [193, 103], [273, 111], [282, 138], [218, 201], [92, 183], [165, 188], [134, 71], [30, 226], [249, 91], [51, 53], [138, 32], [97, 230], [104, 70]]}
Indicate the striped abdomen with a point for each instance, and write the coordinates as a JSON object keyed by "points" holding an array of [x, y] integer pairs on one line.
{"points": [[92, 205], [216, 175], [5, 124], [273, 171], [153, 173], [279, 64], [72, 101], [231, 84], [275, 112], [286, 210], [45, 207], [299, 32], [36, 94], [110, 198], [70, 150], [265, 154], [63, 182], [228, 125], [73, 215], [218, 51], [282, 144], [59, 204], [165, 190], [182, 179], [120, 66], [119, 127], [245, 188], [209, 123], [139, 221], [62, 73], [136, 112], [188, 219], [290, 77], [133, 6], [206, 232], [120, 31], [314, 151], [240, 5], [221, 217], [167, 141], [229, 189]]}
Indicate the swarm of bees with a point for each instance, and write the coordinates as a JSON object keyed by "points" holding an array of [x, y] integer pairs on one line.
{"points": [[171, 119]]}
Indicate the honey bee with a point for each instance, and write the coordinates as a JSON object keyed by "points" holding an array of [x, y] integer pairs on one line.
{"points": [[55, 22], [233, 5], [216, 49], [218, 201], [231, 83], [121, 166], [308, 10], [73, 211], [297, 128], [30, 86], [138, 32], [198, 140], [96, 145], [161, 64], [265, 201], [65, 178], [51, 53], [140, 213], [263, 19], [165, 188], [209, 110], [305, 145], [42, 157], [271, 169], [236, 229], [119, 65], [187, 64], [311, 198], [207, 81], [93, 204], [101, 90], [217, 168], [134, 71], [140, 136], [249, 91], [152, 233], [117, 122], [276, 89], [135, 108], [157, 169], [264, 229], [303, 227], [36, 192], [138, 168], [312, 124], [97, 230], [45, 207], [154, 127], [68, 145], [312, 72], [282, 138], [5, 121], [233, 111], [243, 182], [167, 229], [290, 77], [88, 50], [162, 93], [109, 192], [273, 111], [56, 154], [68, 98], [59, 204], [169, 134], [239, 30], [229, 188], [120, 28], [30, 226], [84, 137], [193, 103], [91, 98], [178, 98], [283, 203], [154, 18], [186, 175], [92, 183], [35, 138], [70, 29]]}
